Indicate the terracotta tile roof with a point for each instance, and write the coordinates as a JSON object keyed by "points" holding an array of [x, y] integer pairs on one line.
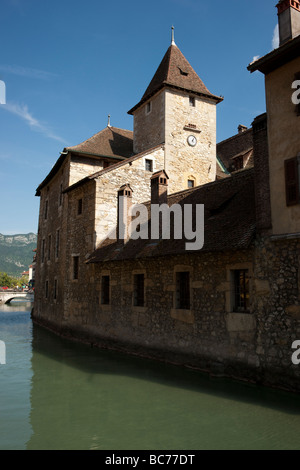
{"points": [[175, 71], [229, 222], [110, 142]]}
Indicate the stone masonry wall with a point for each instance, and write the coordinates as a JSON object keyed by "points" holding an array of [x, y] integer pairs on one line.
{"points": [[149, 128], [80, 167], [108, 184], [253, 346], [51, 247], [183, 161]]}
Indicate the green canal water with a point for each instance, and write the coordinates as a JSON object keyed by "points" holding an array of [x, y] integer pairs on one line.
{"points": [[57, 394]]}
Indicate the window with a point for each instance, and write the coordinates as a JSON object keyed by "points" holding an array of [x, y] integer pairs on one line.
{"points": [[60, 196], [49, 247], [148, 107], [55, 289], [75, 267], [191, 183], [238, 163], [148, 165], [105, 297], [57, 243], [192, 101], [291, 168], [43, 250], [46, 210], [139, 294], [79, 207], [46, 289], [240, 282], [183, 290]]}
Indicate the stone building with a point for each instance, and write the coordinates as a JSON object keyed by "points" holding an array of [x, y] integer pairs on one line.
{"points": [[231, 307]]}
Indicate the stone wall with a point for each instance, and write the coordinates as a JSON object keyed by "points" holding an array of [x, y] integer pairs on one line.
{"points": [[149, 126], [51, 246], [108, 184], [254, 346], [80, 167], [185, 162]]}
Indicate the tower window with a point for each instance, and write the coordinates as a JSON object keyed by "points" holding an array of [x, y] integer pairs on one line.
{"points": [[148, 165], [192, 101], [191, 183]]}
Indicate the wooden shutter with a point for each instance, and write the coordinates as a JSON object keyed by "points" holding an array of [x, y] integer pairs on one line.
{"points": [[291, 181]]}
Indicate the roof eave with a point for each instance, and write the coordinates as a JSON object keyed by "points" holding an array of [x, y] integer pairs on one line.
{"points": [[278, 57], [217, 99]]}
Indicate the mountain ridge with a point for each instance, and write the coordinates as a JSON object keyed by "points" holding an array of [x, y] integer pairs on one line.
{"points": [[16, 252]]}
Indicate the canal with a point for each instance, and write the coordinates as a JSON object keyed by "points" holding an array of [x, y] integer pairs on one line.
{"points": [[57, 394]]}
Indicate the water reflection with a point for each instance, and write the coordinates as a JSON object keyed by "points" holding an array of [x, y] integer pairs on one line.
{"points": [[104, 400], [57, 394], [15, 376]]}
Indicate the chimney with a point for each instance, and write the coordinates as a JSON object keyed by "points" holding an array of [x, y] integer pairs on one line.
{"points": [[288, 20], [242, 128], [124, 218], [159, 187]]}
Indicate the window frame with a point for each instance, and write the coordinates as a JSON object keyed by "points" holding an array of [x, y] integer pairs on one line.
{"points": [[139, 298], [183, 290], [192, 101], [291, 165], [79, 206], [75, 267], [105, 290], [240, 285], [149, 161]]}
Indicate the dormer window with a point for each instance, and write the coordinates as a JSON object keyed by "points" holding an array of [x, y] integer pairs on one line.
{"points": [[183, 72], [238, 163], [192, 101]]}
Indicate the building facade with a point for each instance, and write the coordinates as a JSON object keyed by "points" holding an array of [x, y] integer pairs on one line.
{"points": [[230, 307]]}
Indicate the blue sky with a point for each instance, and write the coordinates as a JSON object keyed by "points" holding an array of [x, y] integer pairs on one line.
{"points": [[67, 64]]}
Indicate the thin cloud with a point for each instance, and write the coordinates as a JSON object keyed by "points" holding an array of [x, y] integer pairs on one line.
{"points": [[27, 72], [34, 124], [275, 40]]}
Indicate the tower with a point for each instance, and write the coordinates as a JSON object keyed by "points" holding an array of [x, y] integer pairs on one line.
{"points": [[178, 110]]}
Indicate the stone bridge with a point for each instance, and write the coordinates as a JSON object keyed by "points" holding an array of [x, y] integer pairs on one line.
{"points": [[6, 297]]}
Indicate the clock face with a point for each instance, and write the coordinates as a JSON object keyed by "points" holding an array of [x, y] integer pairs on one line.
{"points": [[192, 140]]}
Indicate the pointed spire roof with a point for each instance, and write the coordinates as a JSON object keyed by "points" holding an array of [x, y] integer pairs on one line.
{"points": [[175, 71]]}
